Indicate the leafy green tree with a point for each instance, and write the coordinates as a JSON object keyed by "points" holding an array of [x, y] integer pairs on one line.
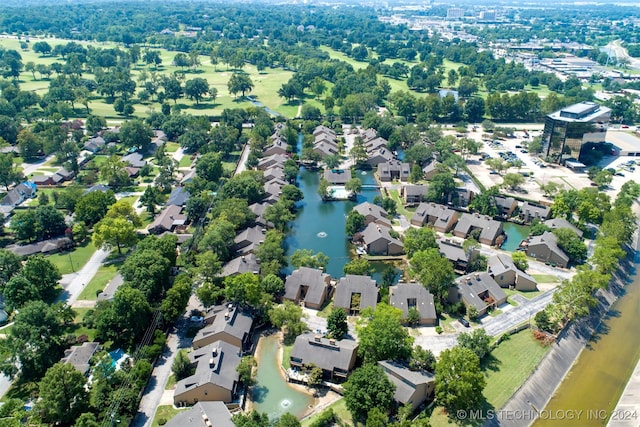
{"points": [[41, 273], [434, 271], [125, 318], [337, 326], [18, 291], [272, 284], [306, 258], [359, 266], [247, 185], [245, 369], [244, 289], [151, 198], [288, 316], [9, 265], [459, 380], [30, 145], [520, 260], [209, 167], [354, 185], [440, 187], [114, 173], [147, 270], [176, 299], [279, 214], [110, 232], [196, 88], [182, 367], [136, 134], [422, 359], [253, 419], [239, 83], [219, 239], [383, 336], [512, 180], [124, 210], [368, 387], [9, 173], [571, 244], [62, 394], [477, 341], [419, 239]]}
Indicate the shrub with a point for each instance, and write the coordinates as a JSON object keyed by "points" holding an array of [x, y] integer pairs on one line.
{"points": [[439, 329]]}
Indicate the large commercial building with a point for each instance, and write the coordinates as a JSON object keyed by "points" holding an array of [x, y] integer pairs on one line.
{"points": [[567, 129]]}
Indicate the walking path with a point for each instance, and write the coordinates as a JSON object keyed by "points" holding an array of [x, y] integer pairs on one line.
{"points": [[627, 411]]}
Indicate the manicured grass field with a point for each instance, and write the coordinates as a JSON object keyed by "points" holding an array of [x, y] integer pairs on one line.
{"points": [[99, 282], [545, 278], [78, 329], [70, 262]]}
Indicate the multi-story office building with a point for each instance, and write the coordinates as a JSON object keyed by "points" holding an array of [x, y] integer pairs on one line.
{"points": [[455, 13], [567, 129]]}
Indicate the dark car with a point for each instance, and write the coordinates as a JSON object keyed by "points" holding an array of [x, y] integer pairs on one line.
{"points": [[464, 322]]}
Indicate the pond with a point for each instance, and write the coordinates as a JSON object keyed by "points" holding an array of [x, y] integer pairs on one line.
{"points": [[320, 225], [272, 394], [515, 234]]}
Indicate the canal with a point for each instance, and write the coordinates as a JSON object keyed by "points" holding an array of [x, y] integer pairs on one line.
{"points": [[515, 234], [320, 225], [598, 378]]}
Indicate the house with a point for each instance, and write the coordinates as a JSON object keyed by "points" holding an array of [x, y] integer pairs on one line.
{"points": [[337, 176], [335, 358], [478, 290], [50, 246], [412, 194], [188, 176], [169, 219], [134, 160], [179, 197], [19, 193], [461, 196], [225, 323], [556, 223], [273, 189], [369, 134], [430, 170], [406, 296], [490, 228], [325, 148], [456, 254], [506, 274], [378, 241], [248, 240], [441, 217], [310, 286], [394, 169], [65, 174], [215, 379], [203, 414], [373, 213], [274, 172], [94, 144], [505, 205], [258, 210], [323, 130], [271, 161], [411, 387], [530, 211], [132, 172], [278, 146], [43, 180], [79, 356], [243, 264], [355, 292], [545, 248], [375, 143], [98, 187], [381, 155]]}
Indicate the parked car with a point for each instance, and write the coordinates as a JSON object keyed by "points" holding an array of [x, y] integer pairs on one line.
{"points": [[464, 322]]}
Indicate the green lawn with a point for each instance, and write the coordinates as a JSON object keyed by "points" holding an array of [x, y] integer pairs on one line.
{"points": [[171, 382], [286, 354], [340, 409], [164, 412], [78, 329], [395, 195], [99, 282], [528, 294], [70, 262], [185, 161], [545, 278]]}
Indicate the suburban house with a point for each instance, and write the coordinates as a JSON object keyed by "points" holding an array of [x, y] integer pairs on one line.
{"points": [[323, 130], [456, 254], [412, 194], [441, 217], [273, 160], [478, 290], [225, 323], [369, 134], [169, 219], [412, 387], [381, 155], [545, 248], [272, 190], [335, 358], [49, 246], [325, 148], [406, 296], [79, 356], [94, 144], [248, 240], [242, 264], [179, 197], [274, 172], [378, 241], [278, 146], [132, 172], [461, 196], [394, 169], [530, 211], [42, 180], [310, 286], [490, 228], [372, 213], [430, 170], [505, 205], [203, 414], [375, 143], [19, 193], [258, 210], [506, 274], [337, 176], [556, 223], [216, 378], [355, 292], [135, 160]]}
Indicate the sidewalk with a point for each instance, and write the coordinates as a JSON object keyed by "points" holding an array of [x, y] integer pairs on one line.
{"points": [[627, 411]]}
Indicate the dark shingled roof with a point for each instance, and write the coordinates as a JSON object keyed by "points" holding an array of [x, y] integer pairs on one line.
{"points": [[233, 321], [405, 380], [356, 284], [309, 348], [314, 278], [402, 292], [79, 355], [216, 413], [179, 197]]}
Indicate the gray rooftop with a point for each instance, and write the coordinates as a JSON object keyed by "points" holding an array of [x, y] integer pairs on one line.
{"points": [[582, 112], [179, 197], [369, 209], [534, 210], [242, 264], [404, 379], [549, 240], [401, 293], [500, 263], [374, 232], [490, 227], [452, 251], [232, 320], [315, 279], [79, 356], [472, 285], [356, 284], [324, 353], [562, 223], [216, 413], [337, 176], [439, 214]]}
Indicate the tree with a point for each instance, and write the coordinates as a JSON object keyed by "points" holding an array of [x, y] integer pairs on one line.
{"points": [[151, 198], [118, 232], [9, 173], [359, 266], [245, 369], [239, 83], [87, 420], [253, 419], [355, 222], [477, 341], [244, 289], [30, 145], [62, 394], [113, 171], [148, 271], [512, 180], [181, 366], [383, 336], [41, 273], [571, 244], [9, 265], [306, 258], [434, 271], [209, 167], [459, 380], [440, 187], [196, 88], [520, 260], [496, 164], [41, 47], [422, 360], [279, 214], [176, 299], [288, 316], [92, 207], [136, 134], [125, 318], [368, 387], [419, 239], [337, 326], [123, 209]]}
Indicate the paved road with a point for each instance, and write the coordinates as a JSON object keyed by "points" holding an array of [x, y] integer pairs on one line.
{"points": [[29, 168], [74, 283]]}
